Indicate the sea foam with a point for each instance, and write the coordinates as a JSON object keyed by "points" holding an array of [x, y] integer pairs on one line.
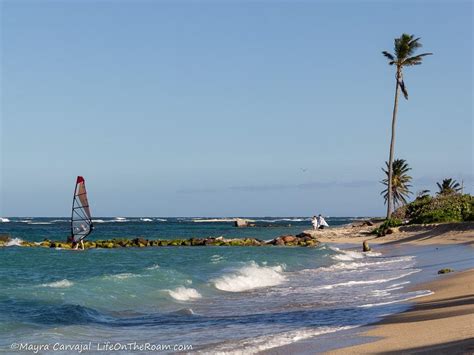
{"points": [[250, 277], [367, 282], [184, 294], [265, 342], [59, 284]]}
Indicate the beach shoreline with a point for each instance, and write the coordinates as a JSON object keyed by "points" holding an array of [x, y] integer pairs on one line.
{"points": [[430, 234], [441, 322]]}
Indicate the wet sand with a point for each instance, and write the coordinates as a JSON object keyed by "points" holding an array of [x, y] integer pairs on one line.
{"points": [[441, 323]]}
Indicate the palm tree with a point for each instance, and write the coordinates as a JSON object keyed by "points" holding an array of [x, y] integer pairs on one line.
{"points": [[400, 183], [448, 187], [422, 194], [405, 47]]}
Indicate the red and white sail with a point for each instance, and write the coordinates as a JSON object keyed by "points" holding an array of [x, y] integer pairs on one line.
{"points": [[81, 221]]}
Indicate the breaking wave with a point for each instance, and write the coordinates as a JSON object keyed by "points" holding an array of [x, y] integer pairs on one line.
{"points": [[153, 267], [265, 342], [59, 284], [122, 276], [367, 282], [184, 294], [358, 265], [250, 277], [348, 255]]}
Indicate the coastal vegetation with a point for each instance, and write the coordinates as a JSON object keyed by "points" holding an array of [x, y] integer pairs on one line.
{"points": [[404, 49], [437, 209], [448, 205], [448, 187]]}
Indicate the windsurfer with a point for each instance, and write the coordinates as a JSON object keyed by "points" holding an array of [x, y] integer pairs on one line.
{"points": [[75, 245]]}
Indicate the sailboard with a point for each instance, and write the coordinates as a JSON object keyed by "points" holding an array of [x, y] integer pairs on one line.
{"points": [[81, 221]]}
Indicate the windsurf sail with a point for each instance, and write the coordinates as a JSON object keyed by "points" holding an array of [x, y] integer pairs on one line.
{"points": [[81, 221]]}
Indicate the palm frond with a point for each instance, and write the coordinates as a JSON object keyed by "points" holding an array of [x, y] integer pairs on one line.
{"points": [[416, 60], [389, 56], [403, 88]]}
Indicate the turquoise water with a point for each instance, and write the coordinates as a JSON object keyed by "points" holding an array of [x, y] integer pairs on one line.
{"points": [[216, 299]]}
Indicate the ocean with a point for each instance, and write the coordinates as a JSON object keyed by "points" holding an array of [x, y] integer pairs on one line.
{"points": [[197, 299]]}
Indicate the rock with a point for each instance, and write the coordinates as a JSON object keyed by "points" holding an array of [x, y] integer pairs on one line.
{"points": [[5, 238], [138, 241], [445, 271], [288, 238], [197, 241], [239, 222], [312, 243], [305, 235], [365, 246], [389, 231], [279, 241]]}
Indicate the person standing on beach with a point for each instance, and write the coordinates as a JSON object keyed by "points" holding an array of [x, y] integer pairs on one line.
{"points": [[321, 222], [314, 222]]}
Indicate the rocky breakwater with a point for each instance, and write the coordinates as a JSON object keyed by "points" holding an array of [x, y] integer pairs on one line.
{"points": [[300, 240]]}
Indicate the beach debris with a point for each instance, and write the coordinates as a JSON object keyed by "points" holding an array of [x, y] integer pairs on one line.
{"points": [[445, 271], [365, 246]]}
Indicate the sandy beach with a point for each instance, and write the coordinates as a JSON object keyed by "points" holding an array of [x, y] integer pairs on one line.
{"points": [[441, 323], [447, 233]]}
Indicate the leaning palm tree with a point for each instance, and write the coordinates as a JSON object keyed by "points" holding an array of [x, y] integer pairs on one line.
{"points": [[405, 47], [448, 187], [400, 183]]}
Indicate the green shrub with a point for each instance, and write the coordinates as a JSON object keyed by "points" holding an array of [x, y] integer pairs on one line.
{"points": [[385, 226], [443, 208]]}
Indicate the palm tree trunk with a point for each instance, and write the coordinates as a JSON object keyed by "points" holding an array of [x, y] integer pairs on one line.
{"points": [[392, 147]]}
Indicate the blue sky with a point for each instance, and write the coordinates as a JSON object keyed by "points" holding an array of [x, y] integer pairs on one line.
{"points": [[226, 108]]}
